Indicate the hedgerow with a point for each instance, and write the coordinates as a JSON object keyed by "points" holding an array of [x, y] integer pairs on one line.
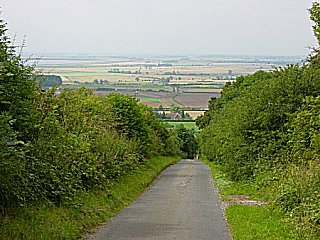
{"points": [[54, 145], [265, 128]]}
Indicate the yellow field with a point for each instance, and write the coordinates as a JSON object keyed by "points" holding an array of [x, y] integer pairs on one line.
{"points": [[194, 114]]}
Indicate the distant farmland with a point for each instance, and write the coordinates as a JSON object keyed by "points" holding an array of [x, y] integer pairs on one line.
{"points": [[189, 125], [195, 100], [167, 99], [189, 82]]}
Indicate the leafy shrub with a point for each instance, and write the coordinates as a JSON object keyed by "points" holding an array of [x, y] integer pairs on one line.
{"points": [[266, 126], [188, 143], [18, 121], [87, 139], [299, 193], [52, 146], [12, 163]]}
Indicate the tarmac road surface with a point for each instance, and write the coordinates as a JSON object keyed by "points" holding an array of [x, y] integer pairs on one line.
{"points": [[182, 204]]}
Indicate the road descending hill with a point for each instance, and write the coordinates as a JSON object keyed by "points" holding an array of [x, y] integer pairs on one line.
{"points": [[182, 204]]}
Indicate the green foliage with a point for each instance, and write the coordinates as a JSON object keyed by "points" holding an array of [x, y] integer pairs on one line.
{"points": [[127, 116], [53, 146], [265, 127], [175, 109], [188, 141], [12, 162], [227, 187], [262, 129], [18, 89], [49, 81], [76, 148], [298, 191], [89, 209], [251, 126], [82, 140], [315, 17], [18, 121], [85, 139], [138, 122]]}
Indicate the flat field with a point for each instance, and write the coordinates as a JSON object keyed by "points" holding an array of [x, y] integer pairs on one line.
{"points": [[189, 125], [195, 100], [189, 82]]}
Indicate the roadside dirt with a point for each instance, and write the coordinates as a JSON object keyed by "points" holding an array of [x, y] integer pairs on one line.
{"points": [[227, 200]]}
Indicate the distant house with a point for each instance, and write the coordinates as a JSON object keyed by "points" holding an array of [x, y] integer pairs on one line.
{"points": [[174, 116]]}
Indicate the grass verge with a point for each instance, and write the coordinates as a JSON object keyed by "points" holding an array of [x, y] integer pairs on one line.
{"points": [[227, 187], [257, 222], [87, 211], [250, 222]]}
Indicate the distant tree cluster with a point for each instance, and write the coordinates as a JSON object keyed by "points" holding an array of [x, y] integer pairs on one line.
{"points": [[100, 81], [49, 81], [116, 70], [189, 145]]}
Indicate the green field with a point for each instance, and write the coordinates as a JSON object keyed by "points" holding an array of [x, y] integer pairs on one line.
{"points": [[150, 99], [189, 125]]}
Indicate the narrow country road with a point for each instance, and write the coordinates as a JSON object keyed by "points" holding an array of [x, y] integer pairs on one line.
{"points": [[181, 205]]}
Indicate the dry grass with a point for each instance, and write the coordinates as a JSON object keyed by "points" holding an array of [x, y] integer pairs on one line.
{"points": [[194, 114]]}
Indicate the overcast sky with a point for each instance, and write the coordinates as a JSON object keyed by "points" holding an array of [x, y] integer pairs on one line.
{"points": [[162, 27]]}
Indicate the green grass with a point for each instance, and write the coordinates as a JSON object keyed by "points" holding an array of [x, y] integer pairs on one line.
{"points": [[189, 125], [72, 221], [250, 222], [258, 223], [227, 187], [151, 99]]}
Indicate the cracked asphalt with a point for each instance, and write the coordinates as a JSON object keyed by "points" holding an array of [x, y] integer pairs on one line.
{"points": [[181, 204]]}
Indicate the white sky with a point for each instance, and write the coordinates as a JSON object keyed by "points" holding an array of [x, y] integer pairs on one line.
{"points": [[162, 27]]}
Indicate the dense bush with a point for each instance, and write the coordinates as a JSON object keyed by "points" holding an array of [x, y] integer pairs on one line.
{"points": [[77, 147], [54, 145], [18, 120], [268, 124], [82, 141], [17, 88], [49, 81], [188, 141], [298, 191], [262, 129]]}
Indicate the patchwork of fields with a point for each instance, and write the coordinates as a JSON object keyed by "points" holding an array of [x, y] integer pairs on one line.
{"points": [[188, 82]]}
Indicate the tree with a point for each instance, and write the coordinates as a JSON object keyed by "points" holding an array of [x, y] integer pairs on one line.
{"points": [[18, 88], [175, 109], [18, 118], [315, 17], [189, 144]]}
